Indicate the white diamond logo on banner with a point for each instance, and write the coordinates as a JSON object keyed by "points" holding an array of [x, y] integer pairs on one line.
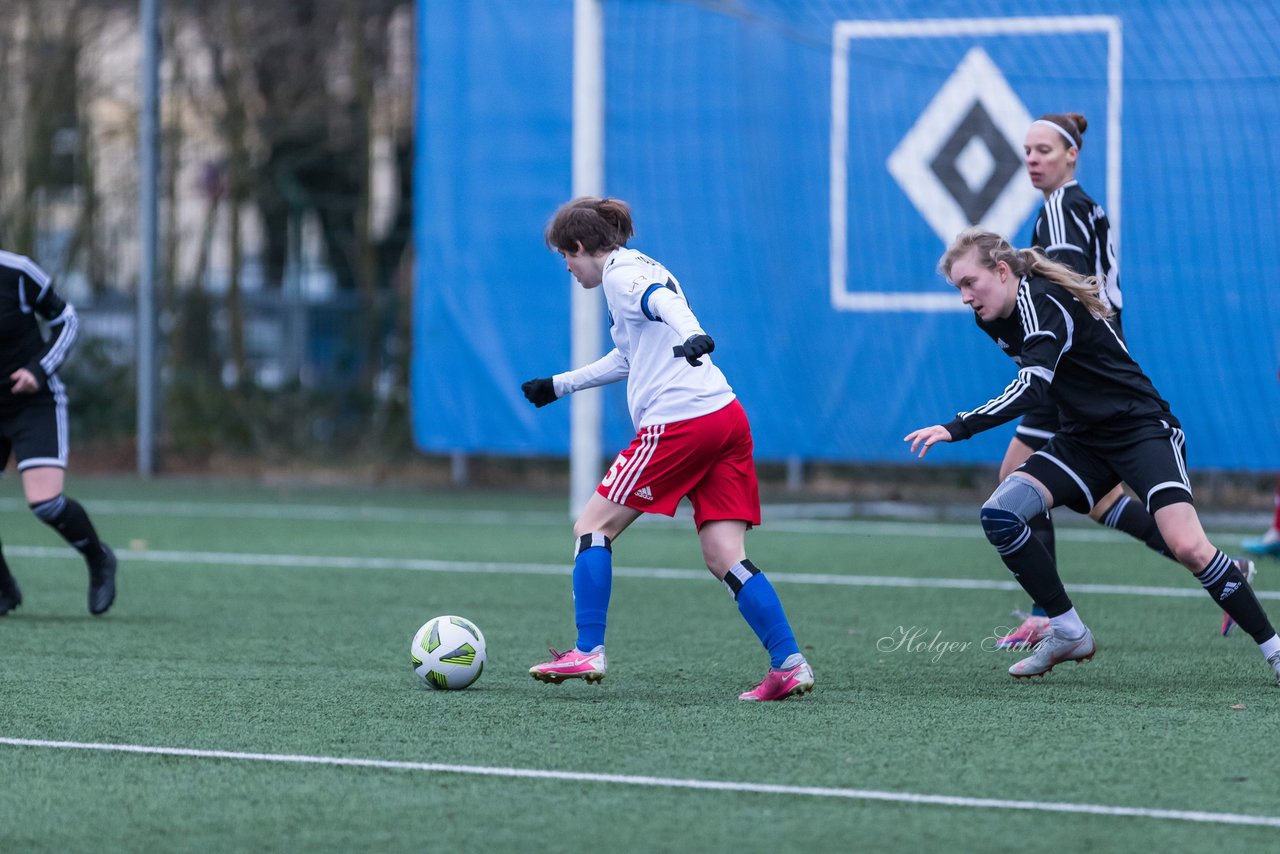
{"points": [[961, 163], [975, 164]]}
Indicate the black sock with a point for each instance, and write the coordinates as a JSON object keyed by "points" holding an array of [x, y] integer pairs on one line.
{"points": [[67, 517], [1042, 529], [5, 575], [1131, 517], [1222, 580], [1027, 558]]}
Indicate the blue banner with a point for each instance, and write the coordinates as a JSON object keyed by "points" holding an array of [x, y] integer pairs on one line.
{"points": [[801, 166]]}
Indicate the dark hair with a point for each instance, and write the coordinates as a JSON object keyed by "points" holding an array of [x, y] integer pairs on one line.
{"points": [[595, 223], [991, 249], [1073, 124]]}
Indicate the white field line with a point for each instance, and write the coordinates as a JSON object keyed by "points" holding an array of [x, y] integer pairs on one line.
{"points": [[286, 561], [311, 512], [819, 518], [665, 782]]}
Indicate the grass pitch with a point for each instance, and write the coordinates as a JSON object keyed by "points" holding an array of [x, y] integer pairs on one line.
{"points": [[266, 631]]}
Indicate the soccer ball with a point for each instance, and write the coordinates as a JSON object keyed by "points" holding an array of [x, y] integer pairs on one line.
{"points": [[448, 653]]}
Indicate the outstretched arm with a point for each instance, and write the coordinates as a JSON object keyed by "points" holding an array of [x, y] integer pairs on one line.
{"points": [[926, 437], [1047, 331], [1028, 390], [608, 369]]}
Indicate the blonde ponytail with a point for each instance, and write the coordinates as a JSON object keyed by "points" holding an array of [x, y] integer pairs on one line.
{"points": [[991, 249]]}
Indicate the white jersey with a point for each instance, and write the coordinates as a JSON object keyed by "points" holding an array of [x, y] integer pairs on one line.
{"points": [[649, 316]]}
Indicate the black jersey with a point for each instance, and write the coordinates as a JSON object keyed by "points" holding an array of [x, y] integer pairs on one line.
{"points": [[26, 292], [1077, 361], [1073, 229]]}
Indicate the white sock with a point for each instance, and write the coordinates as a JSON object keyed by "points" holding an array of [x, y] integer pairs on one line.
{"points": [[1270, 647], [1067, 625]]}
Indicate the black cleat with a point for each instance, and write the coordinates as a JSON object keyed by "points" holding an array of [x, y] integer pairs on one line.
{"points": [[10, 595], [102, 581]]}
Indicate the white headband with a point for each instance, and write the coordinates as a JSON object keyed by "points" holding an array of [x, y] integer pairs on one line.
{"points": [[1060, 129]]}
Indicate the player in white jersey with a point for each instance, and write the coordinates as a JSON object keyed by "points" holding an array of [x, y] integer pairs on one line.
{"points": [[693, 440], [660, 388]]}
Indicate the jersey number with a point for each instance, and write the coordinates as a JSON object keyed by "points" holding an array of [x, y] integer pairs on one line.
{"points": [[613, 470]]}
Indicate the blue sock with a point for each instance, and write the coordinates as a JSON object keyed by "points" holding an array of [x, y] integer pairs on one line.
{"points": [[1037, 611], [760, 607], [592, 581]]}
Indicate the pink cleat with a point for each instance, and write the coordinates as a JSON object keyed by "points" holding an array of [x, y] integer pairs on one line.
{"points": [[574, 664], [1031, 632], [784, 682]]}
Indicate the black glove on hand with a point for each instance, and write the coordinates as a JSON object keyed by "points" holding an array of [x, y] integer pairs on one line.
{"points": [[695, 346], [540, 392]]}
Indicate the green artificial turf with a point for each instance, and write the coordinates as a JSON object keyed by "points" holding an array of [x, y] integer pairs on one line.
{"points": [[207, 651]]}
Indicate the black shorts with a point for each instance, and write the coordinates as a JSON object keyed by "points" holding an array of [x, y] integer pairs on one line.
{"points": [[1079, 472], [35, 433], [1039, 426]]}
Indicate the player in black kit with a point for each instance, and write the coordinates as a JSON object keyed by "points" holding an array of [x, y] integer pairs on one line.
{"points": [[1074, 230], [1115, 428], [33, 420]]}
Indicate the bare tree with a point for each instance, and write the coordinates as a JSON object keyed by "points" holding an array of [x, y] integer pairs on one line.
{"points": [[276, 114]]}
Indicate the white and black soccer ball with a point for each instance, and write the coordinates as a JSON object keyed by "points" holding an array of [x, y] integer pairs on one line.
{"points": [[448, 653]]}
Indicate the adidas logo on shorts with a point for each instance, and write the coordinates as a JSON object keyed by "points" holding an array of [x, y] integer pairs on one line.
{"points": [[644, 492], [1228, 588]]}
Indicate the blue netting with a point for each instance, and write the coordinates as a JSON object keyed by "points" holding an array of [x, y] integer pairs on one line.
{"points": [[719, 132]]}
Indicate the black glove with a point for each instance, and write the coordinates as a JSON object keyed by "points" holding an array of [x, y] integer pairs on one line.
{"points": [[540, 392], [695, 346]]}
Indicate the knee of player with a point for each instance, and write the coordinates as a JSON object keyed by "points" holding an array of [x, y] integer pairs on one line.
{"points": [[1002, 527], [50, 509], [720, 557], [1180, 528], [1004, 515], [1188, 548], [584, 526], [718, 566]]}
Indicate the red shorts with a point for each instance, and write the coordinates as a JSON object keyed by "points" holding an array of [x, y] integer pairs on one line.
{"points": [[707, 458]]}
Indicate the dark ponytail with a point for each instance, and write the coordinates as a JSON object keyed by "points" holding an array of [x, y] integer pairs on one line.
{"points": [[1072, 126], [598, 224]]}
